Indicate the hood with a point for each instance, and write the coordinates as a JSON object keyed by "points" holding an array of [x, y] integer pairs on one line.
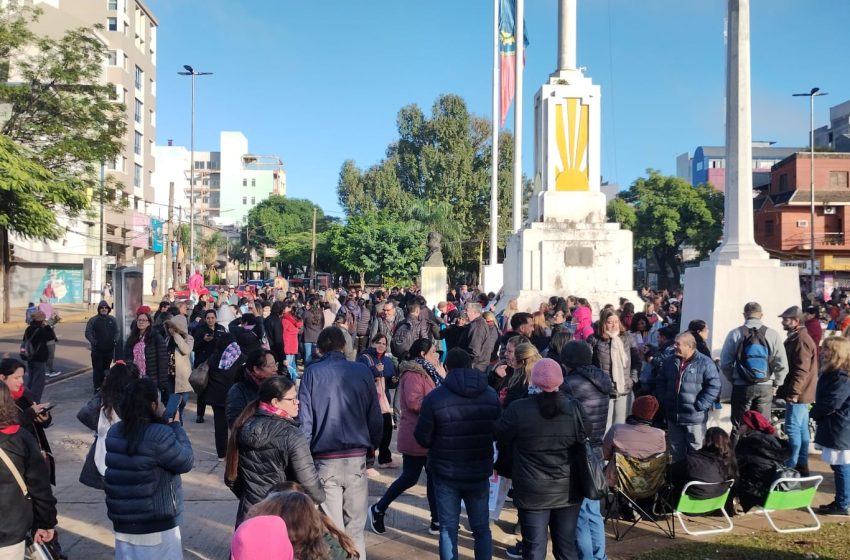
{"points": [[596, 376], [466, 382], [179, 322], [411, 366], [583, 316]]}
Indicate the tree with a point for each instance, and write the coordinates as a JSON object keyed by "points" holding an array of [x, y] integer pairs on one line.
{"points": [[212, 246], [272, 220], [665, 213]]}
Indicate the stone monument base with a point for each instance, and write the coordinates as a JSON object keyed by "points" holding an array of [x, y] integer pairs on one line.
{"points": [[433, 281], [494, 277]]}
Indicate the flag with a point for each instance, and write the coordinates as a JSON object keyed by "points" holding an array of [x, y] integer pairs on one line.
{"points": [[507, 55]]}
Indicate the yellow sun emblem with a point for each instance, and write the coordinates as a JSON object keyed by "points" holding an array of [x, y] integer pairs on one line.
{"points": [[571, 131]]}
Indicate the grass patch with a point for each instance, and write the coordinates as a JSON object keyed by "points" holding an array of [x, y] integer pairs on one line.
{"points": [[830, 543]]}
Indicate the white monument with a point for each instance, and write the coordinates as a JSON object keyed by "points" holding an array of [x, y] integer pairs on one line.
{"points": [[739, 270], [566, 246], [433, 277]]}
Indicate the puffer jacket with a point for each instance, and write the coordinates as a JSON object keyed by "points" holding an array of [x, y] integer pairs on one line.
{"points": [[759, 456], [365, 320], [831, 410], [156, 359], [143, 491], [414, 385], [181, 346], [243, 391], [39, 510], [687, 400], [591, 387], [602, 359], [456, 426], [272, 450], [542, 451]]}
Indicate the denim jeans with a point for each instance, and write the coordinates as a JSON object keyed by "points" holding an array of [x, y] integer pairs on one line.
{"points": [[475, 495], [590, 531], [346, 496], [797, 428], [684, 437], [842, 485], [308, 352], [536, 526], [290, 365], [411, 468]]}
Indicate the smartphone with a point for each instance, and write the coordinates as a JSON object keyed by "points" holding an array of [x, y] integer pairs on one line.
{"points": [[48, 408], [171, 407]]}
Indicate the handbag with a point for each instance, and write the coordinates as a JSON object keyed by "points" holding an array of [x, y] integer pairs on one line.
{"points": [[200, 377], [587, 469]]}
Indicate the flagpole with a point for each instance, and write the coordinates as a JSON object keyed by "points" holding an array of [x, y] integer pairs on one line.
{"points": [[494, 171], [518, 65]]}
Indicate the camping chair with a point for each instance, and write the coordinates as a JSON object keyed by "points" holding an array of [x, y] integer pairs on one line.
{"points": [[689, 505], [800, 494], [637, 480]]}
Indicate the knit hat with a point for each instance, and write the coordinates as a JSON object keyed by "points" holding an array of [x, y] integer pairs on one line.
{"points": [[645, 407], [576, 353], [755, 420], [180, 323], [143, 310], [547, 375], [265, 537], [104, 303]]}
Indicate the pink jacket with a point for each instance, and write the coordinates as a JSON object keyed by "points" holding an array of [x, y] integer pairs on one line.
{"points": [[584, 323], [414, 384]]}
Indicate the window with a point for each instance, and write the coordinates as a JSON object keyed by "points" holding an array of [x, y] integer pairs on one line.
{"points": [[244, 182], [700, 165], [253, 182], [112, 24], [215, 199], [112, 5], [137, 144], [253, 201], [112, 58], [206, 182], [139, 111], [140, 75], [783, 182], [137, 175], [838, 179], [768, 228], [199, 165], [244, 200]]}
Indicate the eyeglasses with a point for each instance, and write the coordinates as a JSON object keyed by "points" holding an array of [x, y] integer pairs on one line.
{"points": [[142, 320], [293, 399]]}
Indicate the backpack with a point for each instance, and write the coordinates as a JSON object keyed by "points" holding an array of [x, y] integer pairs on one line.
{"points": [[753, 365], [403, 339]]}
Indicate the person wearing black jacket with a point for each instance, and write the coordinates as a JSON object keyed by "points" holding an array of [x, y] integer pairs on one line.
{"points": [[543, 431], [591, 387], [36, 337], [206, 336], [102, 334], [259, 366], [761, 456], [713, 462], [266, 448], [456, 426], [146, 349]]}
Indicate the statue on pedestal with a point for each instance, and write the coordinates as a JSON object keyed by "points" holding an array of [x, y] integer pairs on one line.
{"points": [[434, 256]]}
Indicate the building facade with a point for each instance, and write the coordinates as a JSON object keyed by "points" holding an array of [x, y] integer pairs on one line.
{"points": [[836, 135], [708, 164]]}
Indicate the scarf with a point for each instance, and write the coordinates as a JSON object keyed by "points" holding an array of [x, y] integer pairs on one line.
{"points": [[619, 359], [267, 407], [10, 429], [430, 370], [19, 393]]}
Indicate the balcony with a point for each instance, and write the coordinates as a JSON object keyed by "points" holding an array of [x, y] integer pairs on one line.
{"points": [[822, 241]]}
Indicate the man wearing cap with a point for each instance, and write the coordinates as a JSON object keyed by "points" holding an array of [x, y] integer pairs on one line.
{"points": [[102, 334], [747, 395], [687, 387], [798, 390]]}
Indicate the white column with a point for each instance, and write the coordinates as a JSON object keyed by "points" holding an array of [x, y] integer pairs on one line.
{"points": [[494, 169], [520, 48], [566, 35]]}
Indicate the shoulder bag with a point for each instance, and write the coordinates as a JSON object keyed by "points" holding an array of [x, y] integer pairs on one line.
{"points": [[587, 473], [200, 377]]}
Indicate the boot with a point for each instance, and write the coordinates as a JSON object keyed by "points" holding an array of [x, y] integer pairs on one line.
{"points": [[803, 470]]}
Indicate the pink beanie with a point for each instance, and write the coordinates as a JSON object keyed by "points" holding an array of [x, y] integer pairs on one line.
{"points": [[264, 537], [547, 375]]}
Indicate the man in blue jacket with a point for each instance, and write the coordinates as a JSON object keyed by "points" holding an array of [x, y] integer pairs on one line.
{"points": [[456, 424], [341, 418], [687, 388]]}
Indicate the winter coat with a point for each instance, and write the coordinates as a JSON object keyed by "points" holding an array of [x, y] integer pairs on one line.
{"points": [[221, 380], [365, 319], [35, 425], [414, 385], [340, 413], [206, 348], [406, 333], [602, 360], [702, 466], [815, 330], [273, 326], [688, 397], [802, 378], [313, 325], [370, 358], [39, 510], [248, 340], [831, 410], [291, 326], [381, 324], [156, 358], [759, 455], [38, 335], [456, 426], [591, 387], [584, 318], [102, 333], [478, 340], [543, 451], [181, 345], [777, 360], [143, 491], [272, 450], [242, 392]]}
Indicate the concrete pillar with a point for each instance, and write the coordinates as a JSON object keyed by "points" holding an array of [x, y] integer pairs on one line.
{"points": [[566, 35]]}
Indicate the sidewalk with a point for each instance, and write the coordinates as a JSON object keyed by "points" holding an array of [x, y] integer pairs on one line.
{"points": [[70, 313]]}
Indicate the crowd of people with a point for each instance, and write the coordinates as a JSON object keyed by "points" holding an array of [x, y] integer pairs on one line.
{"points": [[307, 388]]}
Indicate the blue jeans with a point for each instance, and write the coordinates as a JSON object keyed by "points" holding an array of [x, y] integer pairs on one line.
{"points": [[684, 438], [842, 485], [290, 366], [797, 428], [475, 495], [308, 352], [411, 468], [590, 531], [536, 526]]}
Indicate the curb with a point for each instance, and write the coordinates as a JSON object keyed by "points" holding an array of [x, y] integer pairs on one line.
{"points": [[20, 326], [68, 375]]}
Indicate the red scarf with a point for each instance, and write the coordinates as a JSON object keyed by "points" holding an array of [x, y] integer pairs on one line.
{"points": [[272, 410], [19, 393], [10, 429]]}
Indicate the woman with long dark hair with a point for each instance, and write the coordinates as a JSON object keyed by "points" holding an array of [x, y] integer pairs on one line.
{"points": [[145, 456], [259, 366], [542, 432], [314, 322], [380, 363], [713, 462], [145, 347], [266, 447], [699, 329]]}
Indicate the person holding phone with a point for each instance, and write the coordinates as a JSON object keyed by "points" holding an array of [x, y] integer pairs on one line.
{"points": [[145, 455], [206, 336]]}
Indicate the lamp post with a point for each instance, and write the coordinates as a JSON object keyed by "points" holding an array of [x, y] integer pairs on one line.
{"points": [[815, 92], [192, 72]]}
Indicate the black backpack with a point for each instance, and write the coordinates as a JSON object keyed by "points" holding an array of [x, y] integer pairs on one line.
{"points": [[753, 362], [403, 339]]}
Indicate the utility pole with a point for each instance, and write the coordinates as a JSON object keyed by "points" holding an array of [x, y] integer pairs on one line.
{"points": [[172, 254], [5, 272], [176, 253], [313, 253]]}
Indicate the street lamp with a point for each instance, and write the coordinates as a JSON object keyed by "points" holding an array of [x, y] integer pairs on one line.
{"points": [[192, 72], [815, 92]]}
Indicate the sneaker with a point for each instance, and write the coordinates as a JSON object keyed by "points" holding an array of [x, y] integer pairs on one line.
{"points": [[434, 528], [833, 509], [376, 519], [50, 374], [514, 551]]}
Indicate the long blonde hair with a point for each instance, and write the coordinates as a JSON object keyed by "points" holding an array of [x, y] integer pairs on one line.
{"points": [[837, 350], [526, 355]]}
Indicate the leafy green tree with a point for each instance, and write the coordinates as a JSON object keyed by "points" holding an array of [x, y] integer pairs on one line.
{"points": [[271, 221], [621, 212]]}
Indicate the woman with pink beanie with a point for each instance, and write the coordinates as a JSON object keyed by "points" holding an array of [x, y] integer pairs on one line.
{"points": [[262, 537]]}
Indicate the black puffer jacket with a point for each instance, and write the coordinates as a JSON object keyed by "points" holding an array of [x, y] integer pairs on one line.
{"points": [[272, 450], [156, 359], [456, 426], [759, 455], [602, 359], [143, 490], [239, 395], [23, 513], [542, 451], [592, 387], [703, 466]]}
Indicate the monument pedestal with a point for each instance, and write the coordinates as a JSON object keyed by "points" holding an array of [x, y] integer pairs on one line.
{"points": [[494, 276], [433, 282]]}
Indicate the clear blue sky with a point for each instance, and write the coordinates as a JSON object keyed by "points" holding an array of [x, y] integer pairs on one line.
{"points": [[320, 82]]}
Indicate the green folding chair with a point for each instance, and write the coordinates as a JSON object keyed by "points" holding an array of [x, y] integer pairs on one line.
{"points": [[799, 497], [691, 506]]}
